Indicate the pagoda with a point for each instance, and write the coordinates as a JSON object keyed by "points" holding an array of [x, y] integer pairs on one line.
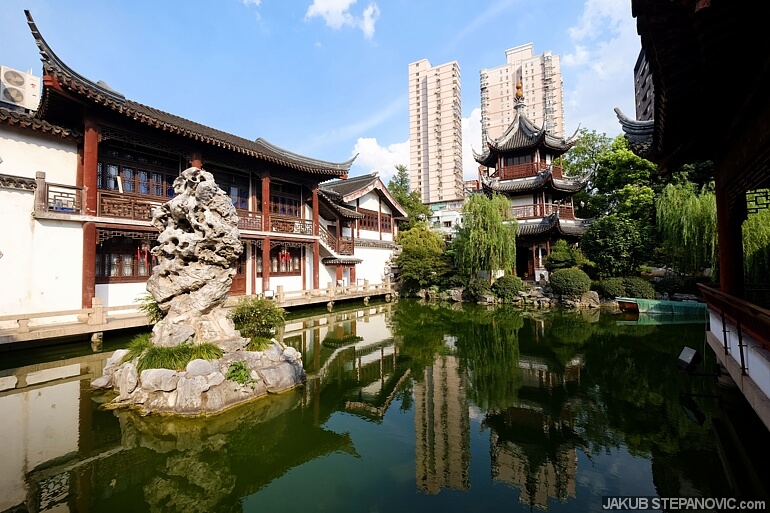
{"points": [[521, 164]]}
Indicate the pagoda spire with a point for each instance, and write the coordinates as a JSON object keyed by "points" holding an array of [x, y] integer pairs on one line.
{"points": [[518, 99]]}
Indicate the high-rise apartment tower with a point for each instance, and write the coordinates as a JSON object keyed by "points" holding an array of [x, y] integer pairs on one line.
{"points": [[540, 76], [435, 132]]}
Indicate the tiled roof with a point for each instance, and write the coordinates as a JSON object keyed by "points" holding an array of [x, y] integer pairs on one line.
{"points": [[341, 261], [521, 134], [334, 203], [551, 224], [103, 95], [638, 133], [540, 181], [356, 187], [24, 120]]}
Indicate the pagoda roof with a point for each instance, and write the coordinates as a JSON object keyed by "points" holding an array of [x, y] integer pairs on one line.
{"points": [[29, 121], [542, 180], [521, 134], [62, 78], [331, 206], [350, 189], [552, 224]]}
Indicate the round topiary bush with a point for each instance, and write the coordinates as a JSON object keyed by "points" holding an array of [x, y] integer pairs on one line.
{"points": [[611, 288], [570, 282], [506, 288], [638, 287]]}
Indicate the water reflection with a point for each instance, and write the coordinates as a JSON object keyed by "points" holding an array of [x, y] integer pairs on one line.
{"points": [[408, 407]]}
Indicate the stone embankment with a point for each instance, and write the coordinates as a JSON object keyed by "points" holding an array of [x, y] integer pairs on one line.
{"points": [[534, 297]]}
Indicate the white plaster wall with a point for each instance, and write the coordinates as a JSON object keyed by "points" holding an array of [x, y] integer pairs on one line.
{"points": [[372, 267], [756, 358], [25, 152], [369, 201], [120, 294], [369, 235], [521, 200], [42, 259], [326, 274], [290, 283]]}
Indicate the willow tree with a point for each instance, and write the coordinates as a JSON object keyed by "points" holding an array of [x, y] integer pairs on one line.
{"points": [[487, 239], [756, 247], [687, 221]]}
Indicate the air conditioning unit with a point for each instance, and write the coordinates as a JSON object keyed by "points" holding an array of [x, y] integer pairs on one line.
{"points": [[19, 89]]}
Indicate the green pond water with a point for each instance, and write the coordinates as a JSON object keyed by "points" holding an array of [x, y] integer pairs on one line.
{"points": [[408, 407]]}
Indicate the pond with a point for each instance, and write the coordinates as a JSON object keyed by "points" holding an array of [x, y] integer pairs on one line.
{"points": [[408, 407]]}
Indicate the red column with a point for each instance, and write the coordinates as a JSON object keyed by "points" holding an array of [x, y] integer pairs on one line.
{"points": [[196, 160], [90, 164], [316, 262], [266, 203], [89, 265], [379, 217], [315, 210], [266, 264], [730, 237], [339, 272]]}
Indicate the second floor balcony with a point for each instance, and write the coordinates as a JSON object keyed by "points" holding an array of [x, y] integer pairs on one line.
{"points": [[537, 210], [527, 170]]}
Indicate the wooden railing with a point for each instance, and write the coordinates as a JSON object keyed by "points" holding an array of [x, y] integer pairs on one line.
{"points": [[291, 225], [527, 170], [748, 318], [63, 198], [128, 206], [341, 246], [249, 220], [541, 210]]}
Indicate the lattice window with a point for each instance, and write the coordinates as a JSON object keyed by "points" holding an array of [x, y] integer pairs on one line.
{"points": [[757, 200], [370, 221], [122, 258], [135, 173]]}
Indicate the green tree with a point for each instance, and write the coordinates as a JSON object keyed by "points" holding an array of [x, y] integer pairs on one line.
{"points": [[756, 247], [487, 239], [564, 256], [583, 158], [687, 221], [617, 245], [398, 186], [422, 262]]}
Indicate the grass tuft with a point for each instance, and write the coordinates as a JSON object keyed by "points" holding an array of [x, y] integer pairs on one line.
{"points": [[258, 344], [174, 358], [137, 346]]}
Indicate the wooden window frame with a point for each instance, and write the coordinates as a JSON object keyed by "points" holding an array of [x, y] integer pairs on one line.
{"points": [[117, 251]]}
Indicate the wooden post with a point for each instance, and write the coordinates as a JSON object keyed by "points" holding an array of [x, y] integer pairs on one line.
{"points": [[316, 262], [266, 203], [266, 264], [315, 210], [88, 289], [730, 237], [41, 192], [196, 160], [90, 164]]}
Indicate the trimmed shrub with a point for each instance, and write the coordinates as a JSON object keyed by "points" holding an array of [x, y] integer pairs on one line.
{"points": [[507, 288], [611, 288], [257, 317], [570, 282], [638, 287], [476, 289]]}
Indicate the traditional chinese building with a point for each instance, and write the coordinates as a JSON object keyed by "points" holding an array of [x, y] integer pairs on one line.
{"points": [[522, 165], [687, 44], [91, 165]]}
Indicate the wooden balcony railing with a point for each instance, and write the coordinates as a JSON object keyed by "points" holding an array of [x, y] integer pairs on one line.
{"points": [[63, 198], [128, 206], [541, 210], [291, 225], [527, 170], [341, 246], [747, 317], [249, 220]]}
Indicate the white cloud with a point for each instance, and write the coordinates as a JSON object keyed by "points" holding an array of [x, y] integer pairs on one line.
{"points": [[336, 14], [471, 141], [255, 3], [606, 46], [375, 158]]}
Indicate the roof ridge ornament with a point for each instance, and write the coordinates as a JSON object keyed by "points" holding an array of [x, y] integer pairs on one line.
{"points": [[518, 99]]}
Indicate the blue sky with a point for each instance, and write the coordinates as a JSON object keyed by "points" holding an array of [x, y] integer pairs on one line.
{"points": [[327, 78]]}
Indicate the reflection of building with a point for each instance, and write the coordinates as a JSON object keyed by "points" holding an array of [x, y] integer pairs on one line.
{"points": [[533, 444], [442, 428]]}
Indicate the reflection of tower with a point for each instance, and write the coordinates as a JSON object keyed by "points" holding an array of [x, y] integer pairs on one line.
{"points": [[551, 478], [442, 426]]}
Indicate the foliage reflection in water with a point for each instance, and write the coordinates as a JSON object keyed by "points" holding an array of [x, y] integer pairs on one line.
{"points": [[408, 407]]}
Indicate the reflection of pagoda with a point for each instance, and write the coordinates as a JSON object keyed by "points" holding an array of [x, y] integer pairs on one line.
{"points": [[533, 444], [442, 428], [520, 164]]}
